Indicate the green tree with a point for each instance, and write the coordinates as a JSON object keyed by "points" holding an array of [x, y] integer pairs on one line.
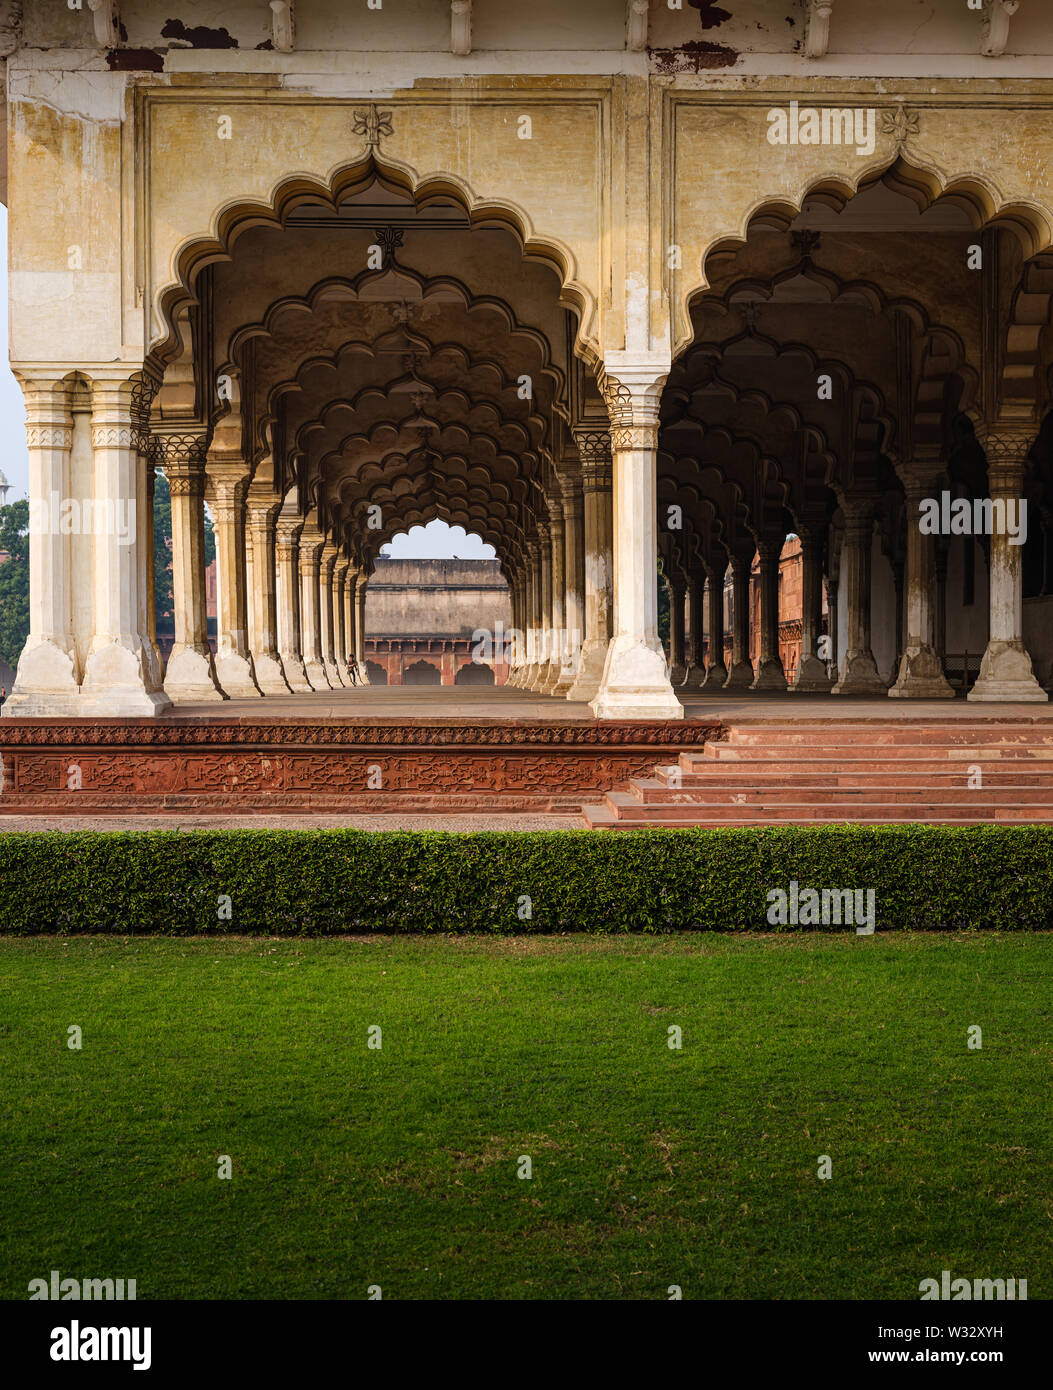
{"points": [[14, 580], [163, 547]]}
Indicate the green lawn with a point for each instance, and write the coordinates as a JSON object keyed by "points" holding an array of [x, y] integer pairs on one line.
{"points": [[651, 1167]]}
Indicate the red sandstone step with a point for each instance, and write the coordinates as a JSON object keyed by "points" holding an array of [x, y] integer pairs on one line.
{"points": [[603, 818], [861, 755], [653, 792], [628, 809], [949, 733], [733, 777]]}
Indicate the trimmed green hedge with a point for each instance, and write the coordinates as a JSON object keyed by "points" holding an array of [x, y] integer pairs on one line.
{"points": [[334, 881]]}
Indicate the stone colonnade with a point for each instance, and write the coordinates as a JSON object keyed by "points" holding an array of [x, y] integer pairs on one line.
{"points": [[583, 588]]}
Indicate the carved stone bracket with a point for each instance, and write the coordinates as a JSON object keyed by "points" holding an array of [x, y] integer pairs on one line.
{"points": [[995, 32], [817, 37], [107, 22], [283, 25], [636, 25], [461, 26]]}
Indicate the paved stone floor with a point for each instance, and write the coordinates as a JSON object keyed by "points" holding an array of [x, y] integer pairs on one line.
{"points": [[502, 703]]}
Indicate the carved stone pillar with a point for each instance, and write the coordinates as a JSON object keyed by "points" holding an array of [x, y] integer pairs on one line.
{"points": [[46, 681], [716, 666], [677, 629], [190, 674], [350, 613], [557, 602], [233, 663], [328, 616], [311, 542], [533, 621], [326, 573], [361, 585], [287, 566], [920, 670], [266, 661], [811, 675], [118, 674], [545, 664], [1005, 671], [340, 649], [573, 579], [594, 449], [770, 674], [694, 630], [635, 683], [859, 673], [145, 529], [740, 677]]}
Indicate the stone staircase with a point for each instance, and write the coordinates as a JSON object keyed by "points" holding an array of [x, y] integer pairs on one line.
{"points": [[869, 772]]}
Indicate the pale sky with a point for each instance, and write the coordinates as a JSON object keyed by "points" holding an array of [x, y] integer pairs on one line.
{"points": [[434, 541]]}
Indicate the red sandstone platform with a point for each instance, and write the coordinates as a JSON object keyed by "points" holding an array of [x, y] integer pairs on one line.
{"points": [[333, 753], [463, 753]]}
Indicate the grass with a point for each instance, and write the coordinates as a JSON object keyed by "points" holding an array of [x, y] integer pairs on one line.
{"points": [[651, 1166]]}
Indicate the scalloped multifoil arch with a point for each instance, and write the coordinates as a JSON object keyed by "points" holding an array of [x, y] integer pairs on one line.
{"points": [[236, 216], [975, 193]]}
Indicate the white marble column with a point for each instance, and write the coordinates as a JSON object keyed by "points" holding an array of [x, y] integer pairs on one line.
{"points": [[635, 683], [340, 571], [920, 670], [859, 673], [677, 628], [287, 565], [716, 667], [234, 669], [1005, 670], [261, 521], [573, 579], [118, 671], [328, 617], [770, 674], [557, 602], [311, 542], [543, 670], [361, 587], [533, 628], [811, 675], [740, 677], [47, 679], [594, 448]]}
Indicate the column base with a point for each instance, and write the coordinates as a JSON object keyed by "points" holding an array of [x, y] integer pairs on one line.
{"points": [[235, 675], [315, 672], [116, 704], [295, 675], [677, 675], [586, 683], [116, 680], [567, 677], [635, 684], [270, 675], [44, 669], [860, 676], [921, 677], [333, 672], [191, 676], [770, 675], [811, 677], [1006, 674], [547, 678], [740, 677]]}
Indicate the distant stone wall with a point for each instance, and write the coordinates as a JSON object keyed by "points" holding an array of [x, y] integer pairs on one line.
{"points": [[420, 617], [436, 598]]}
